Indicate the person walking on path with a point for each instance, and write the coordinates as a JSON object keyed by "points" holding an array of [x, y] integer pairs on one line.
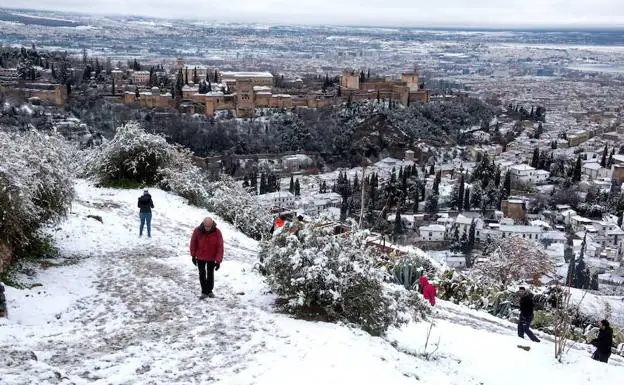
{"points": [[145, 212], [526, 315], [603, 342], [207, 254]]}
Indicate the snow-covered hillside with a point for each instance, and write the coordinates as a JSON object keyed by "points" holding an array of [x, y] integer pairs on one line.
{"points": [[119, 309]]}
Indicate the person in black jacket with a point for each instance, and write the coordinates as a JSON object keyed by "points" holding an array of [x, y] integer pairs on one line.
{"points": [[145, 212], [526, 315], [603, 342]]}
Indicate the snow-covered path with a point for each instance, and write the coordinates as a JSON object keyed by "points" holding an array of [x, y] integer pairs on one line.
{"points": [[124, 310]]}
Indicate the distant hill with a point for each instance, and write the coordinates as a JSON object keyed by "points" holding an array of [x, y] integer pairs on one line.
{"points": [[36, 20]]}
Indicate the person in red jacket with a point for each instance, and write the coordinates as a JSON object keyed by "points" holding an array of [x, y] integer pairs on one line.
{"points": [[429, 292], [207, 253], [422, 282]]}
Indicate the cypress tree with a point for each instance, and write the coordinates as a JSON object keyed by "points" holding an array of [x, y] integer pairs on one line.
{"points": [[576, 175], [291, 188], [603, 160], [297, 188], [460, 194], [467, 199]]}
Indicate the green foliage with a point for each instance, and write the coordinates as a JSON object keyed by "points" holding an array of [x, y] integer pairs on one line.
{"points": [[337, 278], [542, 319], [408, 269]]}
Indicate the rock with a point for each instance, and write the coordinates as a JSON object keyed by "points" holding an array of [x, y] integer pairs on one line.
{"points": [[96, 217]]}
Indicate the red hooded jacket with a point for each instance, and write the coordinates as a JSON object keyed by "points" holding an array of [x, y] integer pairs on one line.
{"points": [[429, 292], [207, 245], [423, 281]]}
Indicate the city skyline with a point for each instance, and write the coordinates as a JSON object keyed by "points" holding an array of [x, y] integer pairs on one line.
{"points": [[448, 13]]}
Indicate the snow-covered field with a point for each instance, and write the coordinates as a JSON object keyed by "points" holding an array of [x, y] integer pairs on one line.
{"points": [[123, 310]]}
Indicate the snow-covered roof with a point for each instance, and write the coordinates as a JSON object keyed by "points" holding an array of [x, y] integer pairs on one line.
{"points": [[592, 166], [520, 229], [432, 228], [522, 167], [461, 219], [241, 74]]}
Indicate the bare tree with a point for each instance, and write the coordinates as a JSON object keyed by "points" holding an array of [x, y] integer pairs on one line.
{"points": [[516, 259]]}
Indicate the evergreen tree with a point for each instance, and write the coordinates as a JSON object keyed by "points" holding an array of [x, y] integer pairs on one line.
{"points": [[416, 200], [195, 77], [113, 87], [593, 284], [576, 175], [506, 191], [603, 160], [215, 79], [568, 251], [254, 182], [620, 218], [344, 208], [467, 200], [539, 131], [497, 177], [432, 170], [263, 184], [291, 188], [476, 197], [297, 188], [393, 176], [535, 158], [472, 234], [186, 80], [571, 271], [398, 225], [431, 205], [610, 161]]}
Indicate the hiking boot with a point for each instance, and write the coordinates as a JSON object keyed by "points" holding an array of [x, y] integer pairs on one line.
{"points": [[211, 295], [204, 296]]}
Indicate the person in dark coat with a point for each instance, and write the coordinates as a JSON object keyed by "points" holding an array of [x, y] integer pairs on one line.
{"points": [[526, 315], [603, 342], [145, 212], [207, 254]]}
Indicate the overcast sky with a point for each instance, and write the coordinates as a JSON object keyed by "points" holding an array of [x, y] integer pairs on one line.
{"points": [[497, 13]]}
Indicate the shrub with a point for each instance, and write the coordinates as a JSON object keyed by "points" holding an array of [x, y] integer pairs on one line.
{"points": [[337, 277], [232, 203], [410, 267], [35, 184], [542, 319], [136, 158]]}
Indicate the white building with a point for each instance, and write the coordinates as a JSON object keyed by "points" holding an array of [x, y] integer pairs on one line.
{"points": [[432, 232], [296, 162], [528, 232], [282, 199], [140, 77], [579, 223], [594, 170], [526, 174]]}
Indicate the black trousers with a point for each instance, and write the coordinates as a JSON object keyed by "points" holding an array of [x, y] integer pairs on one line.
{"points": [[601, 356], [206, 275]]}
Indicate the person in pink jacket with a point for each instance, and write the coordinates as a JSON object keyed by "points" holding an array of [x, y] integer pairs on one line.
{"points": [[422, 282], [429, 292]]}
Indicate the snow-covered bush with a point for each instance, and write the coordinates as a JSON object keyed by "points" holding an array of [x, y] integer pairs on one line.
{"points": [[470, 291], [231, 202], [409, 268], [136, 157], [514, 260], [337, 277], [35, 184]]}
